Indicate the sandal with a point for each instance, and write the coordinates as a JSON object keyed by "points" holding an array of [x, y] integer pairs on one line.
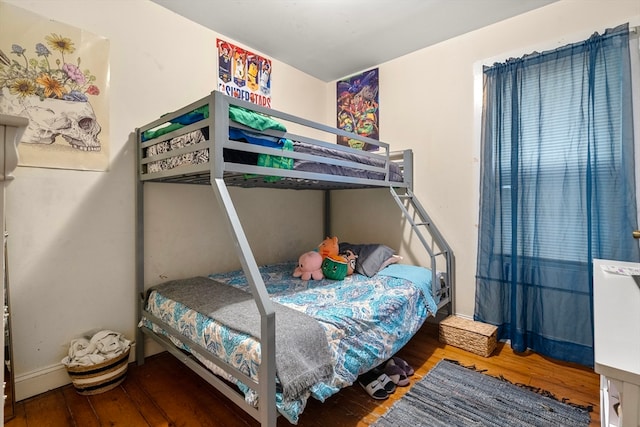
{"points": [[370, 383], [397, 374], [387, 383], [408, 370]]}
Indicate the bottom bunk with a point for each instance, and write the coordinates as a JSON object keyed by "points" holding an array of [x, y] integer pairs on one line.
{"points": [[328, 332]]}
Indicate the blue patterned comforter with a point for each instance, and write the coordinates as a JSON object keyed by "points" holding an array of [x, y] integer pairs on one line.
{"points": [[366, 320]]}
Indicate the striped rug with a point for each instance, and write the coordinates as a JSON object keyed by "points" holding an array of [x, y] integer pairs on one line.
{"points": [[452, 395]]}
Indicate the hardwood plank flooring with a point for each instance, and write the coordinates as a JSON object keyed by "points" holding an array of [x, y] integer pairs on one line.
{"points": [[163, 392]]}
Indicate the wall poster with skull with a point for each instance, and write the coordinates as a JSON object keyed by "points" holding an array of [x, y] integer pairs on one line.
{"points": [[57, 76]]}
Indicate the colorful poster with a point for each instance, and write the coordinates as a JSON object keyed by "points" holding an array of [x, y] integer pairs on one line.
{"points": [[357, 106], [57, 76], [243, 74]]}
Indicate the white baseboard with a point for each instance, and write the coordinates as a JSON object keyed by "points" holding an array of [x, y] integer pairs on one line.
{"points": [[40, 381], [48, 378]]}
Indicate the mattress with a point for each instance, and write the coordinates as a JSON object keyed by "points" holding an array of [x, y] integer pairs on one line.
{"points": [[366, 320]]}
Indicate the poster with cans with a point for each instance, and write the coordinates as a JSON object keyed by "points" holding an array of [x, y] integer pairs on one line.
{"points": [[358, 110], [243, 74]]}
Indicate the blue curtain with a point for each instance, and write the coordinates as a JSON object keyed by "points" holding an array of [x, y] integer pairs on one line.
{"points": [[557, 190]]}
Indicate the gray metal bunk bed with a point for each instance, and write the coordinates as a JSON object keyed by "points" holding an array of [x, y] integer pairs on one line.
{"points": [[204, 143]]}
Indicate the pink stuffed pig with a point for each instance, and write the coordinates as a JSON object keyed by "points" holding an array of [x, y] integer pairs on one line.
{"points": [[309, 266]]}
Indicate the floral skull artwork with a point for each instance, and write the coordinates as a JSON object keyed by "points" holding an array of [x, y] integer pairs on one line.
{"points": [[52, 94], [49, 118]]}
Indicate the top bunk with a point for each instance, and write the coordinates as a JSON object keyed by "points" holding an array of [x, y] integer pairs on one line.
{"points": [[247, 145]]}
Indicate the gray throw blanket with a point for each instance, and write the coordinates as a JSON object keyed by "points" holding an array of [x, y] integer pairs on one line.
{"points": [[302, 351]]}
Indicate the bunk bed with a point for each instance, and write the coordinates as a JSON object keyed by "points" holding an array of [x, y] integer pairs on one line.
{"points": [[223, 326]]}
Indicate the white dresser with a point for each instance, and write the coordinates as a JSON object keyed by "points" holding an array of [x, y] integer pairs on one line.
{"points": [[616, 302]]}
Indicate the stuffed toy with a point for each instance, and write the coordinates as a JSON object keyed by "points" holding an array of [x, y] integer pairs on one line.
{"points": [[350, 257], [309, 266], [328, 247], [334, 267]]}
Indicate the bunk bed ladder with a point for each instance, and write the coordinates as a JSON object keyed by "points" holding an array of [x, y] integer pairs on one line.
{"points": [[442, 283]]}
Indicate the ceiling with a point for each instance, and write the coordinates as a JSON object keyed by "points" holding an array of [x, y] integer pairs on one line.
{"points": [[331, 39]]}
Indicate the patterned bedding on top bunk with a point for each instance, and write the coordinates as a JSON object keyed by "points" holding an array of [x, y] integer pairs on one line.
{"points": [[258, 122], [365, 319]]}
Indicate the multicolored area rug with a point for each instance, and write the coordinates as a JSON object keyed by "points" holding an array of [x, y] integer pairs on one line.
{"points": [[452, 395]]}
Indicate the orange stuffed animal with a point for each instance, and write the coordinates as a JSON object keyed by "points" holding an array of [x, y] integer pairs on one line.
{"points": [[328, 247]]}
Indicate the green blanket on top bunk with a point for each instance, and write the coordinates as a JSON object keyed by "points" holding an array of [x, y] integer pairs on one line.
{"points": [[240, 115]]}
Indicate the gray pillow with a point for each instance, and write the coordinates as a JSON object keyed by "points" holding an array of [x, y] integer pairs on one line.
{"points": [[371, 257]]}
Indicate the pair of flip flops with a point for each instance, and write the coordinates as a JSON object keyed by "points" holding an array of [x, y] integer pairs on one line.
{"points": [[380, 382], [377, 384], [399, 371]]}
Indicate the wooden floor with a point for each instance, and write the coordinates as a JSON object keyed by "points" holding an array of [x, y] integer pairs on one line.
{"points": [[163, 392]]}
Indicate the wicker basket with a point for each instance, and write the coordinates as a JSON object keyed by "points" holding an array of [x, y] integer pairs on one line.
{"points": [[101, 377], [476, 337]]}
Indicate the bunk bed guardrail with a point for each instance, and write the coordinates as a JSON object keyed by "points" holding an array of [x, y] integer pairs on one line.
{"points": [[375, 168]]}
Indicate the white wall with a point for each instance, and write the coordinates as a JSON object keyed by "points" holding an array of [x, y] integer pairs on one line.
{"points": [[72, 232], [72, 245]]}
